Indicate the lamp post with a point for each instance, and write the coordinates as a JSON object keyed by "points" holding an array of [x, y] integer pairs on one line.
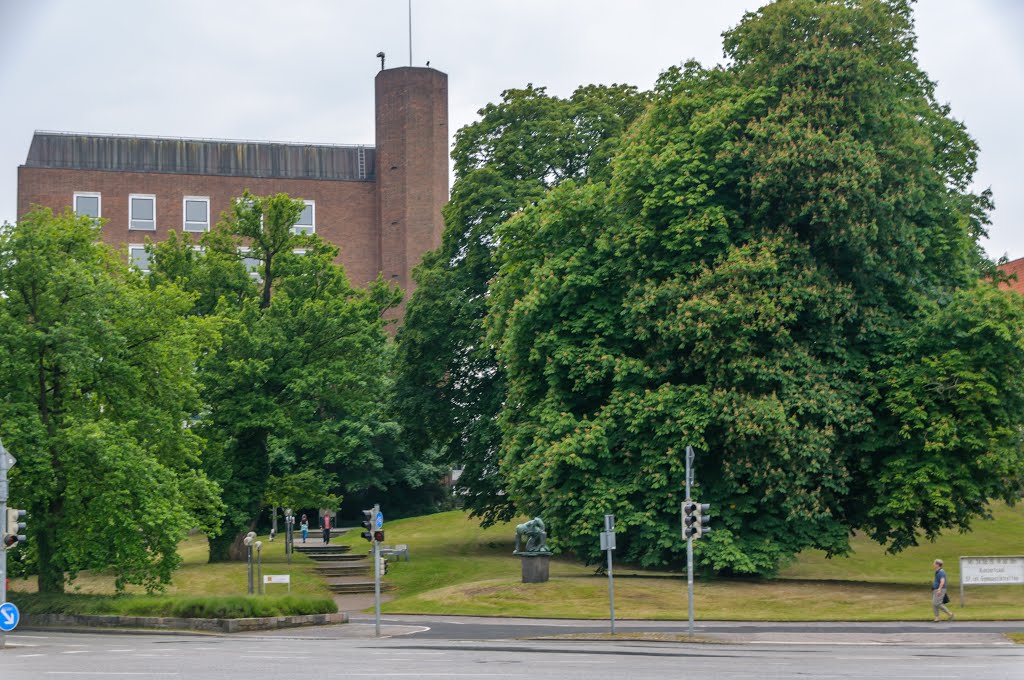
{"points": [[248, 546], [289, 522], [259, 567]]}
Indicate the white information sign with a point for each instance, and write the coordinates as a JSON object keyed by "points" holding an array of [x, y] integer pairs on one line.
{"points": [[996, 570], [271, 578]]}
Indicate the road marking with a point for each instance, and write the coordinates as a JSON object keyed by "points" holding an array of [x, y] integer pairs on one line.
{"points": [[27, 656], [103, 673], [77, 651]]}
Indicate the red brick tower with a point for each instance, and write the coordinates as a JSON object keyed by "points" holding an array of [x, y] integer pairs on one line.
{"points": [[412, 167]]}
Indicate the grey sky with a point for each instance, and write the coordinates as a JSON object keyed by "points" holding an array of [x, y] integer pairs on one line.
{"points": [[303, 70]]}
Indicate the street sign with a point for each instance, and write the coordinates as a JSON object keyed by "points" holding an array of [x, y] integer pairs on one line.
{"points": [[607, 540], [379, 522], [9, 616]]}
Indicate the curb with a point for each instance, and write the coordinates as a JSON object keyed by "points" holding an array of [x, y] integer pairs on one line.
{"points": [[173, 623]]}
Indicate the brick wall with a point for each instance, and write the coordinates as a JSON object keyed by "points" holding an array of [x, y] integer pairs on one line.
{"points": [[346, 212], [412, 166]]}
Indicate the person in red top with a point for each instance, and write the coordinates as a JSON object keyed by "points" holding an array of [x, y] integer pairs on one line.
{"points": [[327, 528]]}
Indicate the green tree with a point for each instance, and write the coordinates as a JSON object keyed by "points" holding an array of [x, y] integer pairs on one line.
{"points": [[449, 385], [781, 269], [97, 376], [299, 383]]}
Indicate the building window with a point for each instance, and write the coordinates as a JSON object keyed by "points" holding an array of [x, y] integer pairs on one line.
{"points": [[307, 220], [142, 212], [252, 264], [197, 213], [139, 258], [87, 203]]}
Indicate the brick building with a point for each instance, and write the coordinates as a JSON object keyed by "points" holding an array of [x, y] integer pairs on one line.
{"points": [[380, 204], [1014, 267]]}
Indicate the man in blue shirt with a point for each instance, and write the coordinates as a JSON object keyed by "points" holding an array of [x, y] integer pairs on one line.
{"points": [[939, 591]]}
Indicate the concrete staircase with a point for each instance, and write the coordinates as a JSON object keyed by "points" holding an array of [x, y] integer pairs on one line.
{"points": [[344, 572]]}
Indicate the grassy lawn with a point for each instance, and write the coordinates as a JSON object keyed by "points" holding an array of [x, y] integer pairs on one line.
{"points": [[458, 568], [197, 578]]}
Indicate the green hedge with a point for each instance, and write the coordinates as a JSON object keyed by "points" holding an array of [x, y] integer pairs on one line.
{"points": [[231, 607]]}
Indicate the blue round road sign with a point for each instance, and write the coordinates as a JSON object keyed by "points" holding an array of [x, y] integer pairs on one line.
{"points": [[379, 522], [9, 616]]}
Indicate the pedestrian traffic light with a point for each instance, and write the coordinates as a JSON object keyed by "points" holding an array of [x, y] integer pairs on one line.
{"points": [[13, 527], [367, 525]]}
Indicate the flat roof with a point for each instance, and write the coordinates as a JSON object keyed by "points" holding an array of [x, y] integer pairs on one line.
{"points": [[222, 157]]}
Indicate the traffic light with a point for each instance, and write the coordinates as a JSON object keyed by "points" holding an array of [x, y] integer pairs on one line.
{"points": [[13, 527], [694, 519], [367, 525], [702, 519], [691, 519], [383, 566], [378, 536]]}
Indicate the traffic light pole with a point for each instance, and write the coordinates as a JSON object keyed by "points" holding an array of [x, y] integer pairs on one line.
{"points": [[376, 584], [689, 541], [4, 464]]}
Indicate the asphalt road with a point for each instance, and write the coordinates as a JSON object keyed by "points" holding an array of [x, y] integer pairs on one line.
{"points": [[35, 655]]}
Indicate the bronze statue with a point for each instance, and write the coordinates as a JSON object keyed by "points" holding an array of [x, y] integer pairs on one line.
{"points": [[536, 536]]}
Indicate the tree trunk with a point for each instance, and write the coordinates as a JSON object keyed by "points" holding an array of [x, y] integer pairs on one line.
{"points": [[228, 547], [51, 572]]}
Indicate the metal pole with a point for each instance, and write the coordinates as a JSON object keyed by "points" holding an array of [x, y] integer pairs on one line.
{"points": [[259, 568], [3, 525], [410, 32], [689, 542], [248, 555], [376, 582], [609, 526]]}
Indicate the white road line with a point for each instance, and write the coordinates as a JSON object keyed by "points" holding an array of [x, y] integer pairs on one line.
{"points": [[103, 673], [77, 651], [28, 656]]}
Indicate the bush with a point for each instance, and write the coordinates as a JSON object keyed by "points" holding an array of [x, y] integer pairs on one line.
{"points": [[231, 607]]}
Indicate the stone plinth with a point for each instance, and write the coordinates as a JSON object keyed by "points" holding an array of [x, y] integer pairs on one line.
{"points": [[535, 567]]}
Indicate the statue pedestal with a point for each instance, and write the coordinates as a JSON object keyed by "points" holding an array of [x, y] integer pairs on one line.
{"points": [[535, 567]]}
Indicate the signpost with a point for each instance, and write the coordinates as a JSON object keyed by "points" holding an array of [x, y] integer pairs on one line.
{"points": [[990, 570], [608, 543], [8, 612], [689, 541], [378, 523]]}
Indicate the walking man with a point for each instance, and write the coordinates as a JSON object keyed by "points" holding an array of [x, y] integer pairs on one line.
{"points": [[939, 598], [327, 527]]}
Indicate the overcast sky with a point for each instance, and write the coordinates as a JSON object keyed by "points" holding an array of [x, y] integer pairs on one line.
{"points": [[302, 71]]}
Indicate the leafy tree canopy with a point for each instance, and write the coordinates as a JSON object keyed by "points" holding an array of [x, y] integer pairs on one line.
{"points": [[97, 376], [299, 381], [781, 268], [450, 386]]}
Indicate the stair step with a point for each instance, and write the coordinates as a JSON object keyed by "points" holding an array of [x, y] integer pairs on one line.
{"points": [[339, 557], [316, 547], [355, 570], [360, 587]]}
